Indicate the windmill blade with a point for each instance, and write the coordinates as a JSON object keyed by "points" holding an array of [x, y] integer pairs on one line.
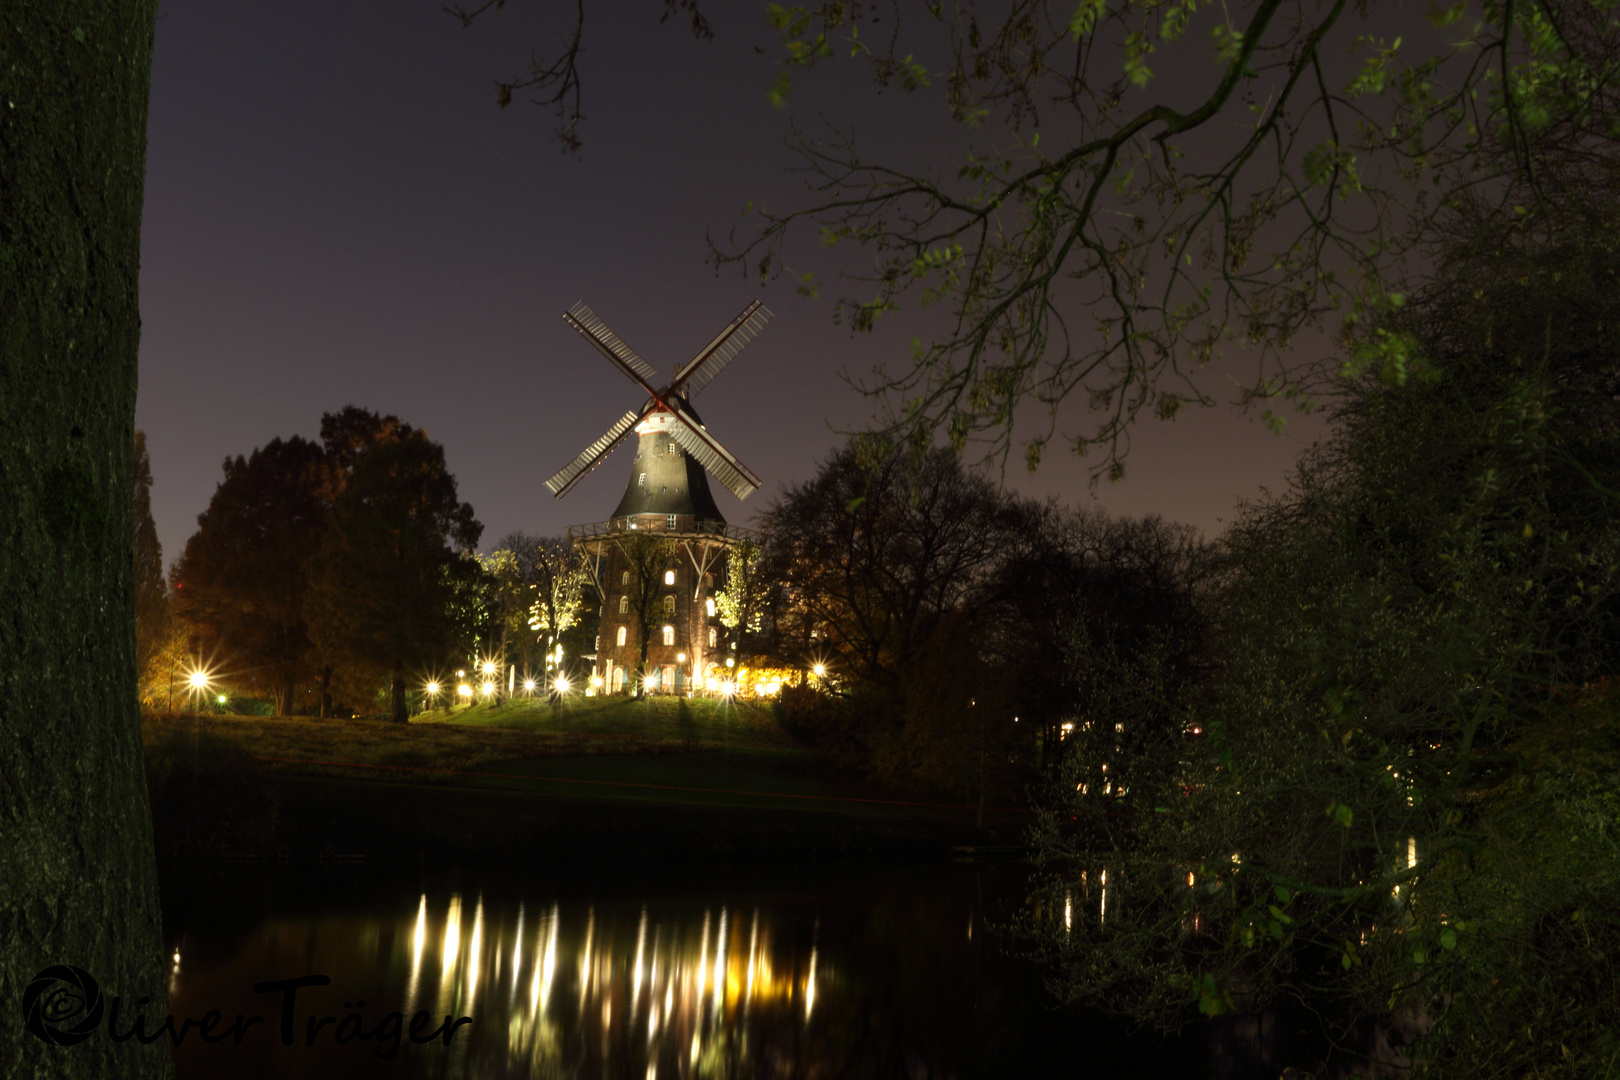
{"points": [[596, 453], [703, 367], [717, 459], [623, 357]]}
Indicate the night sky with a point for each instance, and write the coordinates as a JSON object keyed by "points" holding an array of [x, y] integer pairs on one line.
{"points": [[338, 213]]}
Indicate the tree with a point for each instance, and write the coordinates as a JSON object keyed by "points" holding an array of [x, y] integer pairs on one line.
{"points": [[1166, 219], [1403, 721], [644, 561], [241, 582], [748, 593], [78, 881], [152, 616], [559, 584], [876, 549], [889, 571], [383, 586], [1090, 605]]}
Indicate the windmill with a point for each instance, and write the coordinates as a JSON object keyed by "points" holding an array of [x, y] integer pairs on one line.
{"points": [[668, 410], [658, 635]]}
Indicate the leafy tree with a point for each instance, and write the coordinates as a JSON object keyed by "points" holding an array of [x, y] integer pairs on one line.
{"points": [[1109, 229], [748, 593], [78, 881], [1087, 602], [384, 585], [152, 618], [1387, 747], [890, 577], [560, 588], [241, 581], [875, 550], [645, 559]]}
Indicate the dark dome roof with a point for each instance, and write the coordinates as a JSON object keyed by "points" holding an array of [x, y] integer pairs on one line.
{"points": [[665, 482]]}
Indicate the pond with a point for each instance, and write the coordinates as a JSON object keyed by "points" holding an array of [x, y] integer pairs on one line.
{"points": [[783, 970]]}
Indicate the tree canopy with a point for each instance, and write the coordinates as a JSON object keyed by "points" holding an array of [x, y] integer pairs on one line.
{"points": [[241, 580], [394, 556]]}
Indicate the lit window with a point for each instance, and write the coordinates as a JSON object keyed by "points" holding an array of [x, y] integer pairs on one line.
{"points": [[624, 605], [642, 480], [709, 606], [669, 635], [669, 605], [622, 632], [670, 522], [624, 577], [712, 637], [669, 577], [671, 450]]}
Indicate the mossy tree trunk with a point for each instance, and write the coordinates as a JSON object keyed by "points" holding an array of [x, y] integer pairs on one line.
{"points": [[78, 880]]}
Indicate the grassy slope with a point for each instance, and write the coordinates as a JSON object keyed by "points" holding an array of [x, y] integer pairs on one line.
{"points": [[591, 768]]}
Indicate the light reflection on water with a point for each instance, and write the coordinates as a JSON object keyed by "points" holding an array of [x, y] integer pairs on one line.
{"points": [[659, 989], [900, 973]]}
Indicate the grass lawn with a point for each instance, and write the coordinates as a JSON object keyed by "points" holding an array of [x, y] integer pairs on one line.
{"points": [[583, 757], [433, 744], [710, 723]]}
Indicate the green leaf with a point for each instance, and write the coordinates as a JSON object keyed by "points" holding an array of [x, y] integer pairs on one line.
{"points": [[1438, 16], [1448, 938], [780, 88]]}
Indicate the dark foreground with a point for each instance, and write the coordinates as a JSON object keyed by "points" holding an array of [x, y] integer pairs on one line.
{"points": [[619, 968]]}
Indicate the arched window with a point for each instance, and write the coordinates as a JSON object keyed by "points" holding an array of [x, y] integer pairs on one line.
{"points": [[709, 605], [624, 578], [669, 635], [624, 605], [622, 632], [618, 680], [669, 605], [712, 637], [669, 577]]}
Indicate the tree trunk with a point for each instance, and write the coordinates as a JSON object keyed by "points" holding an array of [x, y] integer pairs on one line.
{"points": [[641, 665], [78, 880], [326, 692], [400, 715]]}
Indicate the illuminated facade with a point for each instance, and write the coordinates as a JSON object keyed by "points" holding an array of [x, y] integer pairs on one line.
{"points": [[667, 501]]}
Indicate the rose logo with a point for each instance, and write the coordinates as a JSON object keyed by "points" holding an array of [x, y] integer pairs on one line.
{"points": [[56, 998]]}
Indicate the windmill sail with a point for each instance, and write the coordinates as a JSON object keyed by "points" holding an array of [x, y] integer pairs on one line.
{"points": [[594, 454], [596, 331], [702, 368], [725, 467]]}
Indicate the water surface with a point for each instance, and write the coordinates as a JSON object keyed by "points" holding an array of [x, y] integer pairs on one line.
{"points": [[799, 970]]}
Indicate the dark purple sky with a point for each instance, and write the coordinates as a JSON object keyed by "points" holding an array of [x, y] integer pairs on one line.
{"points": [[337, 213]]}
